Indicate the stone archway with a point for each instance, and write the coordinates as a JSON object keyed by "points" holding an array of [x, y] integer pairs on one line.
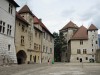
{"points": [[21, 57]]}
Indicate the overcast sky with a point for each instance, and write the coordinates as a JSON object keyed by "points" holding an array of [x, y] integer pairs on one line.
{"points": [[57, 13]]}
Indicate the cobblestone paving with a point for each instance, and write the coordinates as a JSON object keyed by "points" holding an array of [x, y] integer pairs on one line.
{"points": [[9, 70], [68, 69], [55, 69]]}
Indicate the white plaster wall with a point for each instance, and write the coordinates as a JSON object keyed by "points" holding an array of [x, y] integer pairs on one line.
{"points": [[4, 39], [75, 44]]}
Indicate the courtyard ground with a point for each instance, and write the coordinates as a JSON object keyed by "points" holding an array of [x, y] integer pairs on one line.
{"points": [[52, 69]]}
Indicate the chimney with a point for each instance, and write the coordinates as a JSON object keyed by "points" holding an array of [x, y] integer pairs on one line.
{"points": [[40, 19]]}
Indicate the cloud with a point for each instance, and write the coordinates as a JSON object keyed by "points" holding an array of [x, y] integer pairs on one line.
{"points": [[57, 13], [68, 12]]}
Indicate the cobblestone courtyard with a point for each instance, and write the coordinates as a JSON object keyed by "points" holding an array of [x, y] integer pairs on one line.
{"points": [[52, 69]]}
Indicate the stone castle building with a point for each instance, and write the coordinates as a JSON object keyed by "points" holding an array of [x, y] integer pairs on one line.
{"points": [[7, 30], [22, 40], [29, 39], [47, 41], [82, 43]]}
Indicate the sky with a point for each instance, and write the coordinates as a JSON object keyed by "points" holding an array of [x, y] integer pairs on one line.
{"points": [[55, 14]]}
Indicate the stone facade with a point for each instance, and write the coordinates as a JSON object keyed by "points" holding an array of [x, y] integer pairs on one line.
{"points": [[22, 41], [37, 44], [34, 38], [47, 47], [7, 30], [47, 41], [82, 43]]}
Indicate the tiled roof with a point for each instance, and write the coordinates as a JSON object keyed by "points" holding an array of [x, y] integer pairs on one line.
{"points": [[69, 25], [25, 9], [21, 18], [92, 27], [37, 21], [81, 34], [13, 2]]}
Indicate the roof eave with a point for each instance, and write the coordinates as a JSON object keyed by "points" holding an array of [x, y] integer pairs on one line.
{"points": [[92, 29], [79, 39], [14, 3]]}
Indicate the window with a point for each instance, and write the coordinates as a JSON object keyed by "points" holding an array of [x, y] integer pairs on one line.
{"points": [[78, 51], [44, 34], [10, 8], [43, 48], [30, 57], [9, 29], [84, 51], [34, 46], [22, 40], [93, 36], [35, 33], [86, 58], [92, 44], [96, 42], [50, 39], [19, 24], [39, 47], [81, 42], [30, 44], [23, 27], [92, 50], [77, 58], [92, 55], [2, 27], [9, 47], [66, 54], [30, 20], [23, 16], [38, 57]]}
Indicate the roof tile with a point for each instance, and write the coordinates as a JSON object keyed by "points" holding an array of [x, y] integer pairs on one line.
{"points": [[70, 25], [21, 18], [92, 27], [25, 9], [37, 21], [81, 34]]}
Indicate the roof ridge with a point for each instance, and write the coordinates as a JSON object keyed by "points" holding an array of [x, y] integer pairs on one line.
{"points": [[92, 27], [70, 24], [25, 9], [42, 25]]}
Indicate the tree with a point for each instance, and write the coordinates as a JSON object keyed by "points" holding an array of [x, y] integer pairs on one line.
{"points": [[59, 46], [63, 42]]}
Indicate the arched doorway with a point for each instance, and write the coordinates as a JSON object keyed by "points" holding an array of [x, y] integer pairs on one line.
{"points": [[21, 57]]}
